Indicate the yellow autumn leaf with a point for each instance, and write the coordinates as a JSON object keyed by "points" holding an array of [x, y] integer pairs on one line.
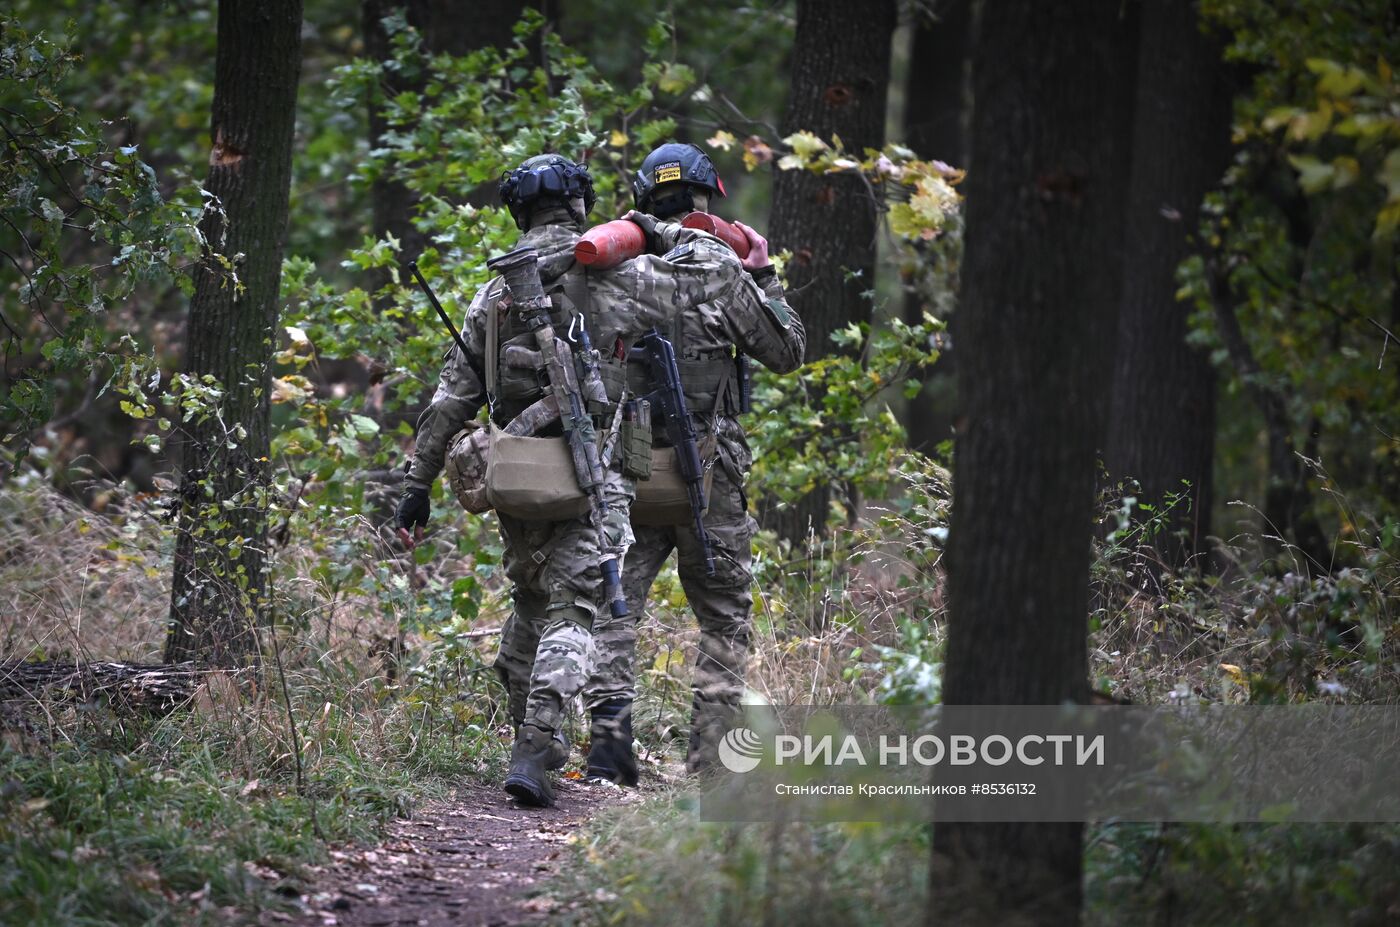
{"points": [[618, 139], [668, 660], [756, 152], [291, 389], [722, 140], [1235, 674], [805, 145], [904, 222]]}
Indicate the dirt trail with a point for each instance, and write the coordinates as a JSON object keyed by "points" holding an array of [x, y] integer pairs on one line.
{"points": [[475, 860]]}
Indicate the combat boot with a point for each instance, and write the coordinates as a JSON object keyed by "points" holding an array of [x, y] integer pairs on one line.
{"points": [[528, 779], [558, 752], [610, 755]]}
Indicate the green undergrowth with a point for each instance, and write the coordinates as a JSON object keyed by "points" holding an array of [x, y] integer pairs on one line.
{"points": [[1269, 628], [201, 817], [1253, 875], [121, 811], [658, 859], [98, 839]]}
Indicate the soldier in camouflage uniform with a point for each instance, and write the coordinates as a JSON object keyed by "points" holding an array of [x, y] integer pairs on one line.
{"points": [[676, 179], [553, 566]]}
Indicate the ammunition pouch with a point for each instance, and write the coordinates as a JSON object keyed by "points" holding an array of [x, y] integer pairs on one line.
{"points": [[519, 387], [528, 478], [634, 438], [663, 499], [532, 479], [467, 454]]}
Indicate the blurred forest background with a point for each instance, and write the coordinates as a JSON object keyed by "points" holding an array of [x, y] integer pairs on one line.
{"points": [[1140, 256]]}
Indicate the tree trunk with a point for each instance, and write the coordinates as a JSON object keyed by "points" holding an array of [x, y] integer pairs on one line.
{"points": [[1288, 511], [1034, 333], [446, 27], [219, 594], [1162, 419], [938, 101], [840, 81]]}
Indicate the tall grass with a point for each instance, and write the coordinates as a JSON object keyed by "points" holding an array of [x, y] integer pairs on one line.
{"points": [[112, 814], [862, 620]]}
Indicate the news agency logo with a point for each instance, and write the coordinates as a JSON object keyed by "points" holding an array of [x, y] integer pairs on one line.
{"points": [[740, 750]]}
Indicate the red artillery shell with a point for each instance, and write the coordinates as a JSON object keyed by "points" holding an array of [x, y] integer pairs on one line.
{"points": [[722, 230], [610, 244]]}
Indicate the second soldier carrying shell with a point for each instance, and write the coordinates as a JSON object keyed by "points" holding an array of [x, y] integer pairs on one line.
{"points": [[676, 179]]}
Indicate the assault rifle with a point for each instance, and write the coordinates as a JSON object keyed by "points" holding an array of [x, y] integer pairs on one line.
{"points": [[669, 396], [520, 268]]}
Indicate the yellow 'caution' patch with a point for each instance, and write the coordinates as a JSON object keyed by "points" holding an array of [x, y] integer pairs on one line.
{"points": [[665, 173]]}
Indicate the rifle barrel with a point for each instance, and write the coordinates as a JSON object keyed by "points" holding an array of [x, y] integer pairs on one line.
{"points": [[432, 298]]}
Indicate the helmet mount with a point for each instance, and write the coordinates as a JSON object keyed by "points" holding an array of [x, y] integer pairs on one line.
{"points": [[546, 180]]}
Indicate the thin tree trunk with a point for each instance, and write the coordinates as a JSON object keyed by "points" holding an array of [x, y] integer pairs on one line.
{"points": [[1034, 332], [1287, 500], [1162, 419], [219, 595], [840, 82], [939, 99]]}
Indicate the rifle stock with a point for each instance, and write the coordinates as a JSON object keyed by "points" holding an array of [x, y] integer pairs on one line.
{"points": [[521, 271]]}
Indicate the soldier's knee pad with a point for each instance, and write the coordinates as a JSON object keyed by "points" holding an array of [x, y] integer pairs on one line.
{"points": [[570, 612]]}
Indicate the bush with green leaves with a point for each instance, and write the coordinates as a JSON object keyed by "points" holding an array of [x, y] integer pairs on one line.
{"points": [[87, 233], [799, 427], [1300, 245]]}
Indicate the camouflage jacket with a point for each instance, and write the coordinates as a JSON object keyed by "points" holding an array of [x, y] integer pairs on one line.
{"points": [[698, 275], [759, 323]]}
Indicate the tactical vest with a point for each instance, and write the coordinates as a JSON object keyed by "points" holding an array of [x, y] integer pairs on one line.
{"points": [[707, 377], [515, 372]]}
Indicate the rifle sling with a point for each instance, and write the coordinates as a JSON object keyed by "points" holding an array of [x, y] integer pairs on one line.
{"points": [[493, 348]]}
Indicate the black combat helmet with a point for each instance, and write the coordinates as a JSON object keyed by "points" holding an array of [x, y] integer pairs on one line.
{"points": [[548, 179], [674, 161]]}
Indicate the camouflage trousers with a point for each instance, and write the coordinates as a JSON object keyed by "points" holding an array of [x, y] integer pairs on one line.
{"points": [[722, 604], [556, 588]]}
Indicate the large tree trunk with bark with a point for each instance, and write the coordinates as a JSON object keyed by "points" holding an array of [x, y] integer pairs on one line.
{"points": [[219, 594], [840, 83], [938, 99], [1034, 333], [1162, 419]]}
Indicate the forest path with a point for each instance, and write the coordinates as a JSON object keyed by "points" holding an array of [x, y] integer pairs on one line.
{"points": [[476, 859]]}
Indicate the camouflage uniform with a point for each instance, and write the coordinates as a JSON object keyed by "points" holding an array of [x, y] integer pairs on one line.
{"points": [[554, 566], [764, 327]]}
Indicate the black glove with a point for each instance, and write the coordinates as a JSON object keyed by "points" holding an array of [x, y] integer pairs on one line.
{"points": [[413, 508], [653, 229]]}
